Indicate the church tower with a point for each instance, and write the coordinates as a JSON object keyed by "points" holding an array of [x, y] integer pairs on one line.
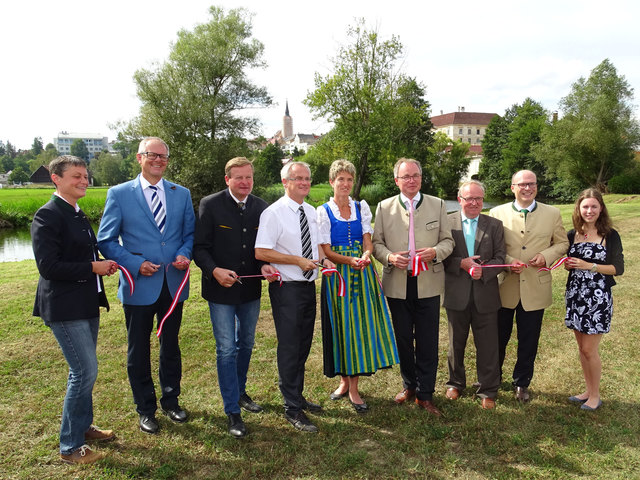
{"points": [[287, 123]]}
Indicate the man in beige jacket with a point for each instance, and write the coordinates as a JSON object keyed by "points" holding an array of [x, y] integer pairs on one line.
{"points": [[535, 238], [413, 294]]}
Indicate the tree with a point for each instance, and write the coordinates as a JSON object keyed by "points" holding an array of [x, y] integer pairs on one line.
{"points": [[18, 175], [595, 139], [107, 169], [193, 99], [508, 146], [44, 158], [447, 163], [372, 105], [79, 149], [267, 166], [37, 147]]}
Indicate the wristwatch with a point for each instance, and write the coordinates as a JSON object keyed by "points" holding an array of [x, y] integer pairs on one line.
{"points": [[594, 268]]}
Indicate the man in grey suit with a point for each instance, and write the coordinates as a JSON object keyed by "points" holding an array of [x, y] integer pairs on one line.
{"points": [[411, 237], [471, 294]]}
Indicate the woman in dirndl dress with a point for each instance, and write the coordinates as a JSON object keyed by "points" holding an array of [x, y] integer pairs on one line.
{"points": [[357, 332]]}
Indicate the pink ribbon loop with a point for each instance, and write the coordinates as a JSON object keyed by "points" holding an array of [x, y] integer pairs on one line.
{"points": [[129, 279], [554, 266], [176, 297], [277, 275]]}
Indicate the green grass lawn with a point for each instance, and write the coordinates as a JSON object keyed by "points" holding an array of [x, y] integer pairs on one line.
{"points": [[548, 438]]}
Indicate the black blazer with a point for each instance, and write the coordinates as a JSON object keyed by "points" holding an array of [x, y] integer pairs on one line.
{"points": [[64, 246], [225, 237]]}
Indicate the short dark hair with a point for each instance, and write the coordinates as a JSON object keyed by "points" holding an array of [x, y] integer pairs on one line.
{"points": [[60, 164]]}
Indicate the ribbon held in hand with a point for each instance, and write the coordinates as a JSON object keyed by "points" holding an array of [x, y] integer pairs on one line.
{"points": [[341, 285], [554, 266], [129, 278], [417, 266]]}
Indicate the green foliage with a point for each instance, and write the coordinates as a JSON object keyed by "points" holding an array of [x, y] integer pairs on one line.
{"points": [[595, 139], [192, 99], [107, 169], [509, 145], [378, 112], [18, 175], [79, 149], [628, 181], [446, 164], [37, 147], [43, 158], [267, 165]]}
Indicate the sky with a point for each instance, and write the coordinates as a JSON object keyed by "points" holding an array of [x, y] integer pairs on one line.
{"points": [[68, 65]]}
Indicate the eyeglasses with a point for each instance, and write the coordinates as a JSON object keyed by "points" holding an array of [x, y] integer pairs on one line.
{"points": [[152, 156], [473, 199], [300, 179], [415, 177], [525, 185]]}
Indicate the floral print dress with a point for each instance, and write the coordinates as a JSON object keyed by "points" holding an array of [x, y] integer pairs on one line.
{"points": [[588, 297]]}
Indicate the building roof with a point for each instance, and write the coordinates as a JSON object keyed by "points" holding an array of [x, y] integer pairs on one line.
{"points": [[462, 118], [80, 135]]}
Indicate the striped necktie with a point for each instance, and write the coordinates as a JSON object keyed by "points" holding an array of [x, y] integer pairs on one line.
{"points": [[157, 209], [306, 240]]}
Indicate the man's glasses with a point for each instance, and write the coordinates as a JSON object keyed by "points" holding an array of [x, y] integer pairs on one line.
{"points": [[300, 179], [416, 177], [152, 156], [473, 199], [525, 185]]}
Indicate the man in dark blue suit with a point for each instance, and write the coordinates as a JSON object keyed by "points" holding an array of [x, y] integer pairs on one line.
{"points": [[155, 221]]}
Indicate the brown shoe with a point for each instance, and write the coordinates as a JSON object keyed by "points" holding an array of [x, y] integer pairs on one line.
{"points": [[404, 395], [488, 403], [94, 434], [429, 407], [522, 394], [83, 455], [452, 393]]}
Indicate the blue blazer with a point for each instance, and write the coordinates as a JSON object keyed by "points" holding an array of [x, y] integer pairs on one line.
{"points": [[127, 217]]}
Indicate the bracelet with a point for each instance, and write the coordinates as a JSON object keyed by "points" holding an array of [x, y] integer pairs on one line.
{"points": [[594, 268], [322, 261]]}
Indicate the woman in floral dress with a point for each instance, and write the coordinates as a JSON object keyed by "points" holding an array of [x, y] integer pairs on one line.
{"points": [[595, 257]]}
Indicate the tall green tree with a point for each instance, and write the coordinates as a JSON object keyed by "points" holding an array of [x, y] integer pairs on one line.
{"points": [[376, 110], [79, 149], [107, 169], [37, 147], [267, 166], [194, 99], [18, 175], [44, 158], [508, 146], [595, 138], [448, 162]]}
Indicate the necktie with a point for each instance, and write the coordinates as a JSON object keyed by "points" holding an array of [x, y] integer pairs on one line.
{"points": [[306, 240], [412, 234], [524, 212], [241, 205], [470, 234], [157, 209]]}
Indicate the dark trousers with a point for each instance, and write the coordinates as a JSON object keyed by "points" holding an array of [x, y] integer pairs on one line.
{"points": [[485, 337], [529, 325], [139, 321], [294, 313], [415, 322]]}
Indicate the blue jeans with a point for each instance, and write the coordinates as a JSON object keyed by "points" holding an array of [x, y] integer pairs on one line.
{"points": [[234, 328], [78, 340]]}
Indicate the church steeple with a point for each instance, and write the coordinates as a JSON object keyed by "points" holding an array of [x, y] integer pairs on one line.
{"points": [[287, 123]]}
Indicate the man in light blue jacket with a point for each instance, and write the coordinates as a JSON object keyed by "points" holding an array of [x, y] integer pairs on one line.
{"points": [[155, 221]]}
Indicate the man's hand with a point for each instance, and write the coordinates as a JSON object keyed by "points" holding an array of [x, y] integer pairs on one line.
{"points": [[538, 261], [269, 272], [307, 264], [225, 277], [426, 254], [104, 267], [399, 259], [517, 266], [468, 263], [147, 268], [181, 262]]}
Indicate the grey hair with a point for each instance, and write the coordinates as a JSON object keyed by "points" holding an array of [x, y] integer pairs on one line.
{"points": [[60, 164], [143, 144], [284, 172], [470, 182], [402, 160]]}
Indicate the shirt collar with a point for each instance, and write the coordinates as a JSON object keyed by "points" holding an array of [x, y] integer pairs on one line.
{"points": [[416, 199], [291, 203], [519, 208], [236, 200], [464, 217], [144, 183], [76, 207]]}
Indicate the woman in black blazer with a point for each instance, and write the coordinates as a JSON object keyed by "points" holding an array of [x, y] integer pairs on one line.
{"points": [[70, 292]]}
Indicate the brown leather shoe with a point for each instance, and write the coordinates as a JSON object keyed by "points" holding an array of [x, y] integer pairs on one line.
{"points": [[488, 403], [404, 395], [452, 393], [83, 455], [94, 434], [522, 394], [429, 407]]}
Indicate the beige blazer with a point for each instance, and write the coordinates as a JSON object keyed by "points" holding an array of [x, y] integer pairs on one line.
{"points": [[541, 233], [391, 234]]}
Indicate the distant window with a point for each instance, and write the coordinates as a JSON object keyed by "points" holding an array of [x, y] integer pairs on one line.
{"points": [[469, 140], [478, 131], [468, 131], [460, 132]]}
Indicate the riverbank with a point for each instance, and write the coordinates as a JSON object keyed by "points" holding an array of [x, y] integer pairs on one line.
{"points": [[548, 438]]}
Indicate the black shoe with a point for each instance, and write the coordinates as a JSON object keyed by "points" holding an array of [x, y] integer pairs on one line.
{"points": [[338, 396], [249, 405], [236, 426], [301, 422], [149, 424], [177, 414], [360, 407], [311, 407]]}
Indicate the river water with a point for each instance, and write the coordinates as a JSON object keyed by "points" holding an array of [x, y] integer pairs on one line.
{"points": [[15, 245]]}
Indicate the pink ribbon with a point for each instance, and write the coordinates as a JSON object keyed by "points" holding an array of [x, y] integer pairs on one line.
{"points": [[418, 266], [185, 279], [277, 275], [342, 289], [541, 269], [128, 277], [554, 266]]}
